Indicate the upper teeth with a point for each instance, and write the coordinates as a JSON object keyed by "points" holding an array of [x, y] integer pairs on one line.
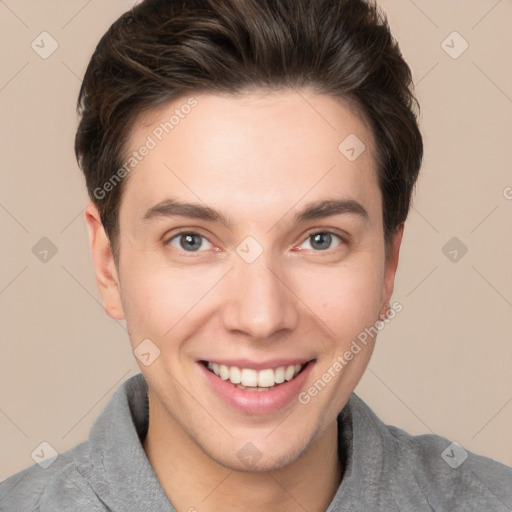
{"points": [[253, 378]]}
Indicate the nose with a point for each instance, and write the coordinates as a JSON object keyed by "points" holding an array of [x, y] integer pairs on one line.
{"points": [[260, 302]]}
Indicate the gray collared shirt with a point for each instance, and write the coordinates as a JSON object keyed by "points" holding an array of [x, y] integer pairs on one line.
{"points": [[386, 469]]}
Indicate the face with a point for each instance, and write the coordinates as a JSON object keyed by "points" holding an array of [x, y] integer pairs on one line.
{"points": [[251, 255]]}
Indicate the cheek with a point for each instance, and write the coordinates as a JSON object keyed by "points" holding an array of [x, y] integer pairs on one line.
{"points": [[157, 299], [346, 298]]}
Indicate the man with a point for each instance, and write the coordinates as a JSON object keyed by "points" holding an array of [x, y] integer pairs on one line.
{"points": [[250, 165]]}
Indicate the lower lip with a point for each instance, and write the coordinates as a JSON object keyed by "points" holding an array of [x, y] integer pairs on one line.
{"points": [[257, 402]]}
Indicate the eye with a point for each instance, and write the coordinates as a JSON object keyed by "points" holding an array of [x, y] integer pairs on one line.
{"points": [[190, 242], [321, 241]]}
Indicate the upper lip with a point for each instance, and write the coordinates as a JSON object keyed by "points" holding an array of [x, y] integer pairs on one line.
{"points": [[259, 365]]}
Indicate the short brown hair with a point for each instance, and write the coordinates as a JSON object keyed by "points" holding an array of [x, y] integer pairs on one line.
{"points": [[162, 49]]}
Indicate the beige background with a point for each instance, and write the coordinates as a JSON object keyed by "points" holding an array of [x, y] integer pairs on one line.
{"points": [[443, 365]]}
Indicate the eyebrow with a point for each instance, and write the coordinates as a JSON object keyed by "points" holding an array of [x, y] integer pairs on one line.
{"points": [[174, 208], [312, 211], [329, 208]]}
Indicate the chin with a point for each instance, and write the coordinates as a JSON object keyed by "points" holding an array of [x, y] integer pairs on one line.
{"points": [[257, 462]]}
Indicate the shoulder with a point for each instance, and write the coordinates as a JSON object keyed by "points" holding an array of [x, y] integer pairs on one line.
{"points": [[60, 486], [429, 472], [450, 477]]}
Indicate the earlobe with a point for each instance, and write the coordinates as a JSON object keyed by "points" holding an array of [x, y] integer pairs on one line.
{"points": [[105, 269], [391, 265]]}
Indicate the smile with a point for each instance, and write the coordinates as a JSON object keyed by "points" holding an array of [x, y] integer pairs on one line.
{"points": [[257, 388], [249, 379]]}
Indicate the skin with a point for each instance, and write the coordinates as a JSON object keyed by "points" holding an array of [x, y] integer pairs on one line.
{"points": [[258, 159]]}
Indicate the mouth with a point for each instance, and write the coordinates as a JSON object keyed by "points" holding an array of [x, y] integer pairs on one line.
{"points": [[257, 388], [250, 379]]}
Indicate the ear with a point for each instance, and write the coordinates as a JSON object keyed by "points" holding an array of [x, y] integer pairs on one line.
{"points": [[104, 265], [391, 265]]}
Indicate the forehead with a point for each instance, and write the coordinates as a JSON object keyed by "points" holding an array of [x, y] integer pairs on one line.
{"points": [[252, 150]]}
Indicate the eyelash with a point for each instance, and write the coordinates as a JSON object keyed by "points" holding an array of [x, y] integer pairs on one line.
{"points": [[183, 233], [343, 240], [314, 233]]}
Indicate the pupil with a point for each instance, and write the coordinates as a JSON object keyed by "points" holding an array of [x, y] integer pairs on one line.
{"points": [[321, 241], [190, 242]]}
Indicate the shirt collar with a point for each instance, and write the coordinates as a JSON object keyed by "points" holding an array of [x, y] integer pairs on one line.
{"points": [[123, 478]]}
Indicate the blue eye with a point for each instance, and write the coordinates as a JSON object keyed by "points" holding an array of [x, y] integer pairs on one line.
{"points": [[321, 241], [190, 242]]}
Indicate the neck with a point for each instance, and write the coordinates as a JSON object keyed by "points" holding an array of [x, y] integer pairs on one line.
{"points": [[194, 481]]}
